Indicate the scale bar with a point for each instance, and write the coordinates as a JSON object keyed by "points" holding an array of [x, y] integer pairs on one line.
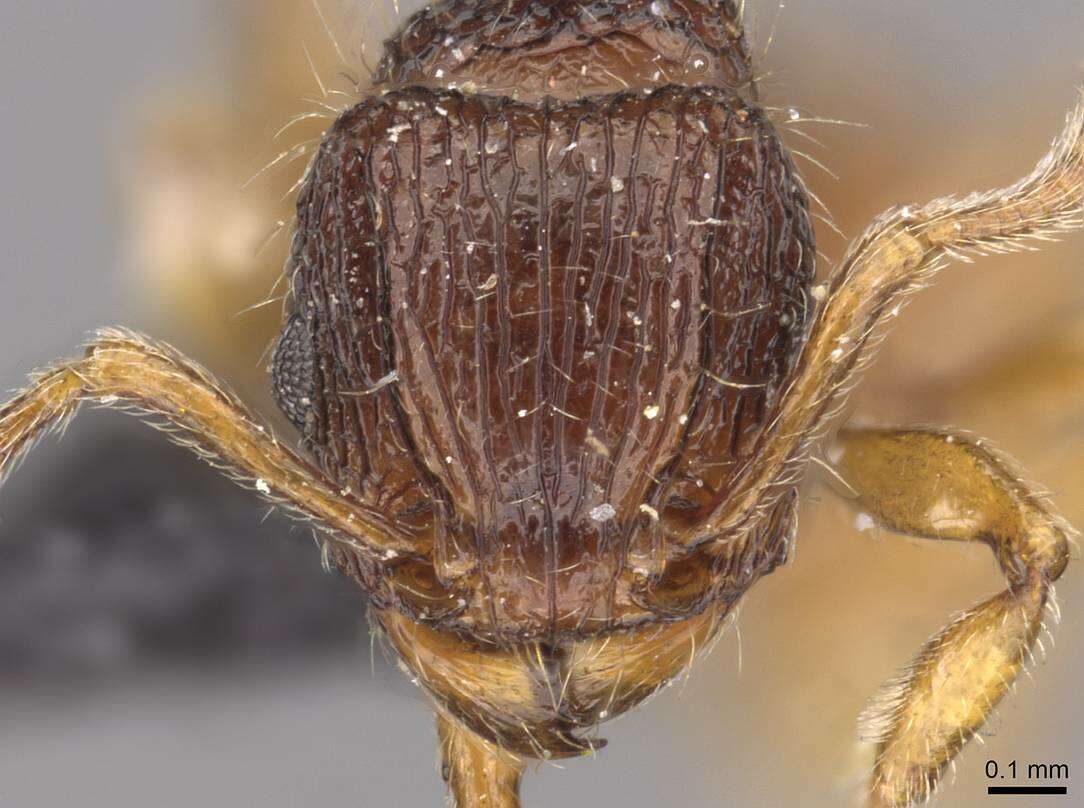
{"points": [[1027, 790]]}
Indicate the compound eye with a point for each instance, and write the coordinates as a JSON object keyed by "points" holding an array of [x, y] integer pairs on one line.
{"points": [[292, 371]]}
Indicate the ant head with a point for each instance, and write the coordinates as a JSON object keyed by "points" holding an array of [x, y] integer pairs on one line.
{"points": [[539, 330]]}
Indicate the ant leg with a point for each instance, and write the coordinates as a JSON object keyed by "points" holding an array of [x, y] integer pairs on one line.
{"points": [[124, 370], [897, 256], [944, 485], [478, 773]]}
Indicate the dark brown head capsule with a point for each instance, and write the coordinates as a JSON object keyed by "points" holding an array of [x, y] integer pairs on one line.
{"points": [[551, 275]]}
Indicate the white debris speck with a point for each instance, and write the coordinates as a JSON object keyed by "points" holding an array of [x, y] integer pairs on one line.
{"points": [[596, 445], [864, 522], [654, 514], [491, 283], [439, 72], [262, 486], [603, 513], [794, 114], [819, 292], [569, 147], [522, 413], [390, 554], [907, 213], [683, 419], [676, 304], [617, 184], [108, 399], [698, 63], [594, 164], [656, 8], [440, 110], [394, 131], [447, 161], [651, 412], [458, 54], [836, 354], [587, 313]]}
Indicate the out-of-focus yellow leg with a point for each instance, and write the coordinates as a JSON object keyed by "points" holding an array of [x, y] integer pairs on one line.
{"points": [[944, 485], [124, 370], [478, 774]]}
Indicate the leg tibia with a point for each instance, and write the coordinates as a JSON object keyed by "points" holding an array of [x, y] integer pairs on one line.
{"points": [[898, 255], [124, 370], [942, 485], [923, 719], [478, 774]]}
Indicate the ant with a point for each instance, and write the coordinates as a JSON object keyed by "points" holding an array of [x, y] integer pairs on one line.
{"points": [[558, 361]]}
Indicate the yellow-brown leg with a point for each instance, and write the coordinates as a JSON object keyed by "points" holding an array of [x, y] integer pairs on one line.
{"points": [[944, 485], [124, 370], [898, 255], [478, 774]]}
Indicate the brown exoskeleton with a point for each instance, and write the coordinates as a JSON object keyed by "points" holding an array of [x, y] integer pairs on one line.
{"points": [[558, 355]]}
